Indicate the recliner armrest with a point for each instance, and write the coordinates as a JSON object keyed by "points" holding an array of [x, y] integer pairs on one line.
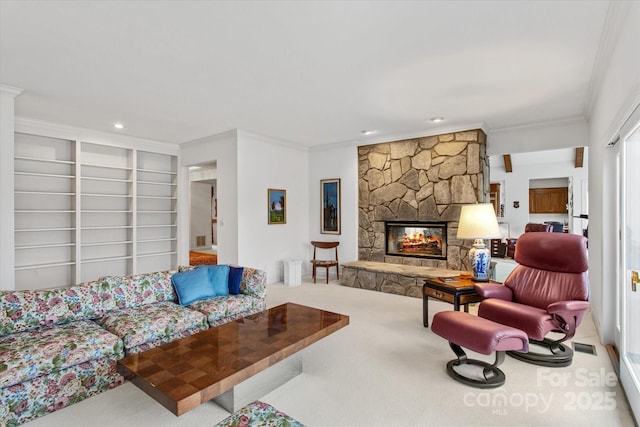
{"points": [[567, 315], [567, 306], [493, 290]]}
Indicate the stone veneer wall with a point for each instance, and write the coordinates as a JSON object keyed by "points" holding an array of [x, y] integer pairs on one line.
{"points": [[421, 179]]}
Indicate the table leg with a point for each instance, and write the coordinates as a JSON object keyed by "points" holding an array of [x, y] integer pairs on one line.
{"points": [[466, 308], [425, 311], [456, 303]]}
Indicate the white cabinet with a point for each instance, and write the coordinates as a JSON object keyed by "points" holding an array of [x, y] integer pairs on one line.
{"points": [[502, 267], [85, 210]]}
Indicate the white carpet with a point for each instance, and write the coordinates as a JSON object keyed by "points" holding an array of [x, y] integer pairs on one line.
{"points": [[386, 369]]}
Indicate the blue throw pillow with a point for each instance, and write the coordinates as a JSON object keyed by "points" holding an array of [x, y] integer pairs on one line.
{"points": [[219, 278], [235, 275], [192, 285]]}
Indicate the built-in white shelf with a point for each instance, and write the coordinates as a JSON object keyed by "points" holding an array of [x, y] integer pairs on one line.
{"points": [[107, 227], [39, 230], [42, 211], [107, 166], [104, 259], [157, 183], [157, 254], [158, 197], [90, 209], [37, 266], [43, 160], [43, 193], [118, 242], [171, 239], [95, 178], [106, 195], [46, 175], [48, 245]]}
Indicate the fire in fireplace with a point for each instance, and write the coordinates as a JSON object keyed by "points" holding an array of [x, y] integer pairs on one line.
{"points": [[416, 239]]}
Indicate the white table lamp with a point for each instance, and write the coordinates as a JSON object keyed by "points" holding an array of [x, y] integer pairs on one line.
{"points": [[478, 222]]}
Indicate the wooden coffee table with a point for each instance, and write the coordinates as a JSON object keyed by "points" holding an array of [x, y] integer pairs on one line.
{"points": [[214, 364]]}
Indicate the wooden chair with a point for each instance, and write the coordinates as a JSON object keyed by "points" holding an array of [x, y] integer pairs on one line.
{"points": [[326, 263]]}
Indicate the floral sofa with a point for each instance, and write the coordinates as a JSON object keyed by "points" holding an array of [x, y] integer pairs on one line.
{"points": [[60, 346]]}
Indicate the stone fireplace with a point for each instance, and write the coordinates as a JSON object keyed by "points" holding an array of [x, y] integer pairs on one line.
{"points": [[420, 180]]}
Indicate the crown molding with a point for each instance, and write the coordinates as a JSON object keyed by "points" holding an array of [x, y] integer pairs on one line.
{"points": [[271, 140], [35, 126], [616, 14], [229, 134], [543, 124], [380, 139], [10, 90], [236, 134]]}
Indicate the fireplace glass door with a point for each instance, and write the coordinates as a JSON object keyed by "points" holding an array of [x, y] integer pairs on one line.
{"points": [[416, 239]]}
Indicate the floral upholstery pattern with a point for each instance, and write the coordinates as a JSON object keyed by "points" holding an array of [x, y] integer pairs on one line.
{"points": [[119, 292], [253, 283], [26, 310], [60, 346], [224, 309], [25, 401], [30, 354], [152, 323], [259, 414]]}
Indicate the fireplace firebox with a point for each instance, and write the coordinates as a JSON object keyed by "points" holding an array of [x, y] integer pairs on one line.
{"points": [[416, 239]]}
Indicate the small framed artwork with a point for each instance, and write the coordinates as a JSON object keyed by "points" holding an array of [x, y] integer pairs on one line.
{"points": [[277, 200], [330, 206]]}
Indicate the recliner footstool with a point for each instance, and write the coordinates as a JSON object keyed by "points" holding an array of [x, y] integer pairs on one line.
{"points": [[482, 336]]}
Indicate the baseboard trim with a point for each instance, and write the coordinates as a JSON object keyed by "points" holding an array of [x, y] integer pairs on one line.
{"points": [[614, 356]]}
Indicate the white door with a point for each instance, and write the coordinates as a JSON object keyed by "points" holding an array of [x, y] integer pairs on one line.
{"points": [[629, 286]]}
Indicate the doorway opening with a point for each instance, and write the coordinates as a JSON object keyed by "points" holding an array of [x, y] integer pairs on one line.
{"points": [[203, 242]]}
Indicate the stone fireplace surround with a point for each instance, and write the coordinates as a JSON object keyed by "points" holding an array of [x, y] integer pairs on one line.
{"points": [[420, 179]]}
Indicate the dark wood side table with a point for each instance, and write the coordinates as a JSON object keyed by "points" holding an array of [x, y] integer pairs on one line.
{"points": [[459, 293]]}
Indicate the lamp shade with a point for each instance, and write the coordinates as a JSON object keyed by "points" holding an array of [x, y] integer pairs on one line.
{"points": [[478, 222]]}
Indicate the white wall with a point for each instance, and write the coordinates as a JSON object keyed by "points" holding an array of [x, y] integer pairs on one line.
{"points": [[200, 214], [267, 163], [544, 136], [617, 97], [329, 162], [248, 165], [7, 254], [221, 149]]}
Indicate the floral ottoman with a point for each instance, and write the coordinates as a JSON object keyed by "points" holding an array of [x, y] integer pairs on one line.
{"points": [[259, 414]]}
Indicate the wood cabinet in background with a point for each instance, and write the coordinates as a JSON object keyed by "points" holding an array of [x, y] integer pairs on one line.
{"points": [[494, 198], [548, 200]]}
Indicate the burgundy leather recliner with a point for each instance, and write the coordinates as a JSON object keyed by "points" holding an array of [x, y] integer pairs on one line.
{"points": [[547, 292]]}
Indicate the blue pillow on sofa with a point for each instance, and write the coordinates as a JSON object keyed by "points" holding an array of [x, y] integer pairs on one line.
{"points": [[235, 275], [219, 278], [192, 285]]}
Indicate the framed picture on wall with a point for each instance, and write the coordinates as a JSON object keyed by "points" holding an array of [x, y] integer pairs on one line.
{"points": [[330, 206], [277, 206]]}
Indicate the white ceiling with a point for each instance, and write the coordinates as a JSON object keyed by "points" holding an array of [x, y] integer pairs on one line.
{"points": [[308, 72]]}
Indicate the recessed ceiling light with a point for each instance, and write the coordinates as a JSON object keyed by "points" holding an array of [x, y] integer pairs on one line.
{"points": [[118, 125], [368, 132], [436, 119]]}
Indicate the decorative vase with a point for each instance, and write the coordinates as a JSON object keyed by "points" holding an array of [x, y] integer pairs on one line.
{"points": [[479, 259]]}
